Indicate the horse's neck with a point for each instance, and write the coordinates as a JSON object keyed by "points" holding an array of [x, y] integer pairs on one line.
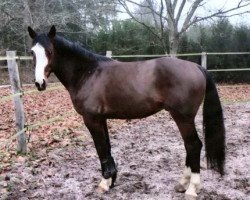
{"points": [[70, 70]]}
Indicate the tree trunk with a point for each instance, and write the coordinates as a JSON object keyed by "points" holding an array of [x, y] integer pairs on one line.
{"points": [[173, 43], [27, 21]]}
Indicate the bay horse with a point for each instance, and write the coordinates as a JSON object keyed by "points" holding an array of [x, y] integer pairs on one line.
{"points": [[102, 88]]}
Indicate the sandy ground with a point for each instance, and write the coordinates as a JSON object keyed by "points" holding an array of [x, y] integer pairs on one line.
{"points": [[150, 158]]}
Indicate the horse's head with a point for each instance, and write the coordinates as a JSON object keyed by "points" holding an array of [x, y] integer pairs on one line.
{"points": [[43, 51]]}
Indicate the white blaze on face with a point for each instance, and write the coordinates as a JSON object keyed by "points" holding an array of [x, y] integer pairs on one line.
{"points": [[41, 62]]}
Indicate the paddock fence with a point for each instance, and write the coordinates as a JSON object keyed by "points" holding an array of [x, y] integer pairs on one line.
{"points": [[17, 93]]}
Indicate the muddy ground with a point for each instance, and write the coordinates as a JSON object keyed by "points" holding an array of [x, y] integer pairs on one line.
{"points": [[150, 158]]}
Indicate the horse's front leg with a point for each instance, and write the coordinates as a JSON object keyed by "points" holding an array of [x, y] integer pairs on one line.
{"points": [[99, 131]]}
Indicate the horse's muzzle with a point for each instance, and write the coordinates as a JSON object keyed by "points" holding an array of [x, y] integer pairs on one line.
{"points": [[42, 86]]}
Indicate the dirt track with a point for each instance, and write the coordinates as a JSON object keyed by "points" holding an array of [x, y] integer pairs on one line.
{"points": [[150, 157]]}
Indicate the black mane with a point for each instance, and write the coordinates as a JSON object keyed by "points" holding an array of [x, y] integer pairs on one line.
{"points": [[65, 46]]}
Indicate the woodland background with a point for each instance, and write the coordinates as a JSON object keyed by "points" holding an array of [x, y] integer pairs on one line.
{"points": [[97, 25]]}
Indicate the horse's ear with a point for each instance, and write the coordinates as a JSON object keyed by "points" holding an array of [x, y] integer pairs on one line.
{"points": [[32, 33], [52, 32]]}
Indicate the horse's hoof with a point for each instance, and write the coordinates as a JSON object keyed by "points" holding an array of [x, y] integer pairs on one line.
{"points": [[100, 190], [180, 188], [190, 197], [104, 185]]}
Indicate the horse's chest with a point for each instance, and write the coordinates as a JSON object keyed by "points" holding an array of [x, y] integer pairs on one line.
{"points": [[87, 104], [77, 105]]}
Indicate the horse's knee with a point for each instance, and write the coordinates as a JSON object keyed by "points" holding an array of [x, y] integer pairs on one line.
{"points": [[193, 142]]}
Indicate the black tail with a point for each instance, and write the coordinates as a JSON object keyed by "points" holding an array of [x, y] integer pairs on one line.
{"points": [[213, 124]]}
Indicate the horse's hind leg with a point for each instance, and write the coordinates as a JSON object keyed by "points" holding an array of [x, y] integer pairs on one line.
{"points": [[98, 129], [190, 181]]}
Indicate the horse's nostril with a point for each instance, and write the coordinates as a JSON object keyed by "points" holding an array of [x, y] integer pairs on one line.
{"points": [[37, 84], [44, 84]]}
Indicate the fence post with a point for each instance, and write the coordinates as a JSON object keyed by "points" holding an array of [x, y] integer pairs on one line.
{"points": [[18, 103], [204, 60], [109, 54]]}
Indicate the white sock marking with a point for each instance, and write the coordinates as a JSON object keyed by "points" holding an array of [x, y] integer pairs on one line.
{"points": [[184, 181], [195, 185], [41, 62], [105, 184]]}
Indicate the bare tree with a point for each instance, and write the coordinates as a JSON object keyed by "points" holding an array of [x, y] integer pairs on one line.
{"points": [[176, 16], [76, 18]]}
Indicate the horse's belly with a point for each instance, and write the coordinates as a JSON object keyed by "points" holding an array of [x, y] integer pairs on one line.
{"points": [[131, 115], [132, 109]]}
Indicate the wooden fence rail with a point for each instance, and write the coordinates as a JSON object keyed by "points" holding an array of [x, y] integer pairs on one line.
{"points": [[203, 58]]}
